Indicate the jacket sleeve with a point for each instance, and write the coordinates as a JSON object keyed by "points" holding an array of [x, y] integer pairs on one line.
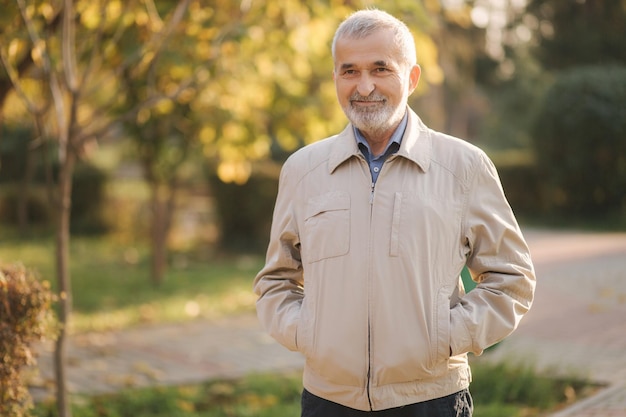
{"points": [[499, 261], [279, 285]]}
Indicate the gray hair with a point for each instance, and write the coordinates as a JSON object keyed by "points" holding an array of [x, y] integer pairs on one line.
{"points": [[363, 23]]}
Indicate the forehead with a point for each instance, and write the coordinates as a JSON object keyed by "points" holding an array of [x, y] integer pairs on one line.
{"points": [[377, 47]]}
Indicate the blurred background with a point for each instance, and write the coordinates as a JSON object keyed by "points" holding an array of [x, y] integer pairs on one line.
{"points": [[180, 113]]}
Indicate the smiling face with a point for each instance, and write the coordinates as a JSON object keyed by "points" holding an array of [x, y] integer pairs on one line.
{"points": [[373, 83]]}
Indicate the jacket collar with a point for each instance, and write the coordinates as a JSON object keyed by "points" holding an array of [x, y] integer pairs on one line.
{"points": [[416, 144]]}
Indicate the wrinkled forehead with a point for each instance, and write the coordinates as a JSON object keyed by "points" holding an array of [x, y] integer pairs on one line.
{"points": [[375, 46]]}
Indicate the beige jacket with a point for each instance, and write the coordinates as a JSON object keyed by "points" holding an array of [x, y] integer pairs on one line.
{"points": [[364, 280]]}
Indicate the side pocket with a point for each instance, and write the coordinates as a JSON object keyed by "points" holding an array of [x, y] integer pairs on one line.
{"points": [[303, 330], [441, 350]]}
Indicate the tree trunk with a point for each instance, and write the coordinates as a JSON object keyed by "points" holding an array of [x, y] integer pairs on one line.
{"points": [[162, 202], [158, 264], [24, 191], [63, 278]]}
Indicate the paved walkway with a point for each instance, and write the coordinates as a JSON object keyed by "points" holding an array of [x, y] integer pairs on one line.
{"points": [[577, 325]]}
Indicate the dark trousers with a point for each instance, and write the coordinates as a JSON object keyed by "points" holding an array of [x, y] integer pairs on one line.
{"points": [[455, 405]]}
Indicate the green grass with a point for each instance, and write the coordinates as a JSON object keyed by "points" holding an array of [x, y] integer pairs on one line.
{"points": [[267, 395], [498, 390], [502, 386], [112, 289]]}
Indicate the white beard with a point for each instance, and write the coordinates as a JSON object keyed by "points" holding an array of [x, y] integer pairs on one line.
{"points": [[377, 119]]}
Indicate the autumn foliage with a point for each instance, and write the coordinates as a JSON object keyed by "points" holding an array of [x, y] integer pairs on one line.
{"points": [[25, 317]]}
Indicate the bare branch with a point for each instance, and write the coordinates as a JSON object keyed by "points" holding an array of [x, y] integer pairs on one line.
{"points": [[42, 49], [153, 12], [69, 46]]}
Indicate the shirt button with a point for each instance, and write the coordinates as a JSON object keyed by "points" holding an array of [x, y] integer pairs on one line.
{"points": [[376, 169]]}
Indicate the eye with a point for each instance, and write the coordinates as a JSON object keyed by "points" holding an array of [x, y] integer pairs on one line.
{"points": [[381, 70]]}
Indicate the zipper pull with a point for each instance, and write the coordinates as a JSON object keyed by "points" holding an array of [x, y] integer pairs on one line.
{"points": [[372, 194]]}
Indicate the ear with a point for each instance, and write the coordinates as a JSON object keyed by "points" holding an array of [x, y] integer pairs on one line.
{"points": [[414, 77]]}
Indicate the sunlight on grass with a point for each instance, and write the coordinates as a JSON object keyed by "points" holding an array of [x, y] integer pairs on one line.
{"points": [[259, 395], [172, 309], [112, 289]]}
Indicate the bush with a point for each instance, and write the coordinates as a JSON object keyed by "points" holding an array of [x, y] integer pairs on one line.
{"points": [[88, 199], [580, 142], [505, 383], [25, 312], [13, 148], [89, 185], [38, 210], [520, 180]]}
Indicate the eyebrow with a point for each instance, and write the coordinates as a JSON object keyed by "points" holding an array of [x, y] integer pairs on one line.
{"points": [[379, 63]]}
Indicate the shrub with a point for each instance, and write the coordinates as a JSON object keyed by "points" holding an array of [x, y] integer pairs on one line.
{"points": [[89, 186], [507, 383], [520, 180], [88, 199], [579, 138], [25, 313], [13, 153], [38, 210]]}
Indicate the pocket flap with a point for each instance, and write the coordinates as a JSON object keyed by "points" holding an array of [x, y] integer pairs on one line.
{"points": [[336, 200]]}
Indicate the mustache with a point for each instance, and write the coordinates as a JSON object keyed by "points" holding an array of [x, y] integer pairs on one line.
{"points": [[371, 97]]}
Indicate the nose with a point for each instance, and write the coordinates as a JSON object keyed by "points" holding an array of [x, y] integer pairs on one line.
{"points": [[365, 85]]}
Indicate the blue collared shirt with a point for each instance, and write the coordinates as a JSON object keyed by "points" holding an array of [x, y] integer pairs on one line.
{"points": [[376, 162]]}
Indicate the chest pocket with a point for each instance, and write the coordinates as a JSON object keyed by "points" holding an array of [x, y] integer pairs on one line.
{"points": [[326, 227]]}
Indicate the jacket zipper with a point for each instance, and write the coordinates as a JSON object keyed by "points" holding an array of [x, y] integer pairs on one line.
{"points": [[369, 324]]}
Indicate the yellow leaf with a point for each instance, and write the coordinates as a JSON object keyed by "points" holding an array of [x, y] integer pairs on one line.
{"points": [[14, 47], [38, 51], [114, 9], [286, 139], [301, 67], [46, 11], [186, 95], [234, 132], [234, 171], [207, 135], [428, 59], [141, 18], [164, 106], [260, 148], [264, 64], [90, 17]]}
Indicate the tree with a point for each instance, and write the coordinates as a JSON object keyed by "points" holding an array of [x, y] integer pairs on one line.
{"points": [[70, 75], [573, 33], [580, 141], [164, 135]]}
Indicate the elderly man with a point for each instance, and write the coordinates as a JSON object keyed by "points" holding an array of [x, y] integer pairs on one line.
{"points": [[371, 230]]}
